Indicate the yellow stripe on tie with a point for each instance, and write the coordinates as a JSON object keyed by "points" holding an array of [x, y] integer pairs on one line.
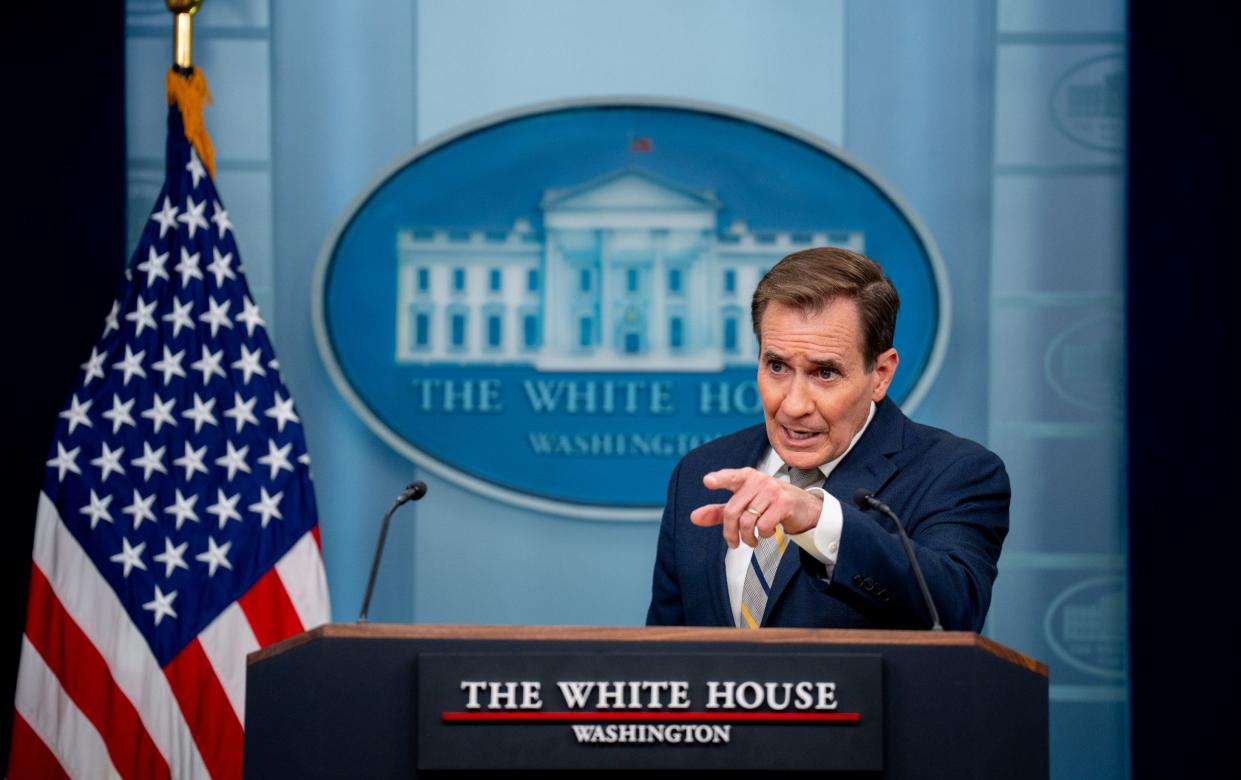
{"points": [[780, 538], [747, 617]]}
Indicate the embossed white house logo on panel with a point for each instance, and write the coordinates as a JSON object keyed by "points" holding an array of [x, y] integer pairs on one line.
{"points": [[631, 273]]}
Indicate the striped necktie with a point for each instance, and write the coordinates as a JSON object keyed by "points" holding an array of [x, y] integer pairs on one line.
{"points": [[766, 560]]}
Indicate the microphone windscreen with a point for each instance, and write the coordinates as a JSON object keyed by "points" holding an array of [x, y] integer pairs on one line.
{"points": [[862, 498]]}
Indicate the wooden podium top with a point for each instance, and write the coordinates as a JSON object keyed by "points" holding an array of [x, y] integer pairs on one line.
{"points": [[824, 636]]}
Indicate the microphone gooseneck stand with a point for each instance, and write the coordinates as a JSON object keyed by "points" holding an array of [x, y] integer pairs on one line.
{"points": [[866, 500], [413, 491]]}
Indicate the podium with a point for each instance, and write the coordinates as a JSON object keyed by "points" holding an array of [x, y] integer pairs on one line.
{"points": [[368, 700]]}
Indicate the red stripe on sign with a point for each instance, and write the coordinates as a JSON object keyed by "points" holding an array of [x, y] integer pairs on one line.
{"points": [[84, 675], [269, 610], [29, 756], [207, 711], [677, 717]]}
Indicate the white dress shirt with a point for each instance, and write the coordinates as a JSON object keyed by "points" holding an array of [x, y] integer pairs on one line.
{"points": [[822, 541]]}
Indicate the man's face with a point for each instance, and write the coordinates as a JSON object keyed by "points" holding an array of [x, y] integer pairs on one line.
{"points": [[813, 380]]}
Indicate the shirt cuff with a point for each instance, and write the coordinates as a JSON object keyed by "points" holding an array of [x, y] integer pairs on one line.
{"points": [[823, 541]]}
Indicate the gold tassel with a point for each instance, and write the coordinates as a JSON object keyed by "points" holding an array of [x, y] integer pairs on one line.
{"points": [[190, 94]]}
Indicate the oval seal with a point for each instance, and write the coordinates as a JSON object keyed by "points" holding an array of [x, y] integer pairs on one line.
{"points": [[551, 306]]}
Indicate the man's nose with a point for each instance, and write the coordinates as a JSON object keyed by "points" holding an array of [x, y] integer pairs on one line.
{"points": [[798, 402]]}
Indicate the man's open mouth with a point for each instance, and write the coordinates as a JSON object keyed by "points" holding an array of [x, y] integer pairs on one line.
{"points": [[797, 435]]}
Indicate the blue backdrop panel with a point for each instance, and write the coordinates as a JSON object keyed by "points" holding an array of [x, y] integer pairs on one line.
{"points": [[997, 121]]}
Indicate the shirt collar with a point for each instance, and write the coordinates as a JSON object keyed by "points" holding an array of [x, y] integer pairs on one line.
{"points": [[772, 464]]}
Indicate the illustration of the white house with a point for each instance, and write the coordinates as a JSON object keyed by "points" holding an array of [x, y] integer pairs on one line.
{"points": [[632, 273]]}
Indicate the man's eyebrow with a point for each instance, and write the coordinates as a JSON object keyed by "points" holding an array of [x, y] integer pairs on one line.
{"points": [[829, 363]]}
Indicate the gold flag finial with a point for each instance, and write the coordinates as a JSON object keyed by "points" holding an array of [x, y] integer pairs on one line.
{"points": [[182, 40]]}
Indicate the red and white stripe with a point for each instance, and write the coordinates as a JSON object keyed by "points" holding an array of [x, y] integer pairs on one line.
{"points": [[93, 702]]}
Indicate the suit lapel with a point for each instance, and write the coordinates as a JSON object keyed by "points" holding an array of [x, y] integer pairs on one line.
{"points": [[867, 465]]}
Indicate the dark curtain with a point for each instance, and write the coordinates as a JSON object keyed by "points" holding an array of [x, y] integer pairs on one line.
{"points": [[1184, 547], [63, 248]]}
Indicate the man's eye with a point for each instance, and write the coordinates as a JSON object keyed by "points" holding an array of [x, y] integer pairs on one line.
{"points": [[827, 373], [775, 367]]}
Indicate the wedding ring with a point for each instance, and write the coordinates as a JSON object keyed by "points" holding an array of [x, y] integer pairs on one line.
{"points": [[753, 511]]}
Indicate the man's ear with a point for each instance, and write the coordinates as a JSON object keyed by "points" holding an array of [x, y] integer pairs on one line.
{"points": [[885, 369]]}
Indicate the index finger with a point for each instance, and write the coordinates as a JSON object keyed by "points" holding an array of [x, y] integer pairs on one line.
{"points": [[725, 479]]}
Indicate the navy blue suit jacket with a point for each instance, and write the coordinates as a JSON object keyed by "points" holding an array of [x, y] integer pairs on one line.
{"points": [[952, 495]]}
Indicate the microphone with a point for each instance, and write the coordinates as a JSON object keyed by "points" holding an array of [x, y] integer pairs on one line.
{"points": [[866, 501], [412, 492]]}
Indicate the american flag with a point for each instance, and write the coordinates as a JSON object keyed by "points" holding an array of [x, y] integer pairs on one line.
{"points": [[176, 526]]}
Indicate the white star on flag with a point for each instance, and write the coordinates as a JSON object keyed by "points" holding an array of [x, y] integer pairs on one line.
{"points": [[276, 458], [172, 557], [141, 316], [183, 508], [160, 412], [153, 266], [98, 509], [140, 509], [65, 461], [119, 414], [248, 364], [151, 461], [192, 461], [170, 365], [112, 322], [282, 412], [76, 413], [250, 316], [188, 267], [161, 605], [109, 462], [202, 413], [166, 217], [193, 215], [180, 316], [215, 556], [217, 316], [225, 507], [219, 267], [234, 460], [94, 366], [130, 557], [220, 217], [131, 365], [209, 364], [267, 506], [195, 167], [242, 411]]}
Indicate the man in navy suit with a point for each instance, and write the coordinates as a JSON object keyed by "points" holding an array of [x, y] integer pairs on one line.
{"points": [[759, 528]]}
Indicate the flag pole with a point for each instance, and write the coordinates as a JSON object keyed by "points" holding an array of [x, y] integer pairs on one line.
{"points": [[187, 88], [182, 32]]}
